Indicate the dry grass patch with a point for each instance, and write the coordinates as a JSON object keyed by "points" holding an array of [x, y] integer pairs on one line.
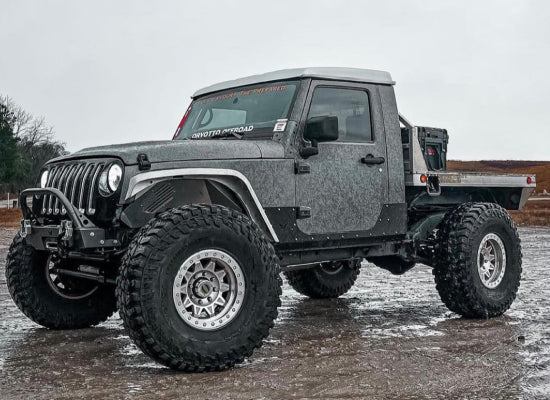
{"points": [[10, 217], [535, 213]]}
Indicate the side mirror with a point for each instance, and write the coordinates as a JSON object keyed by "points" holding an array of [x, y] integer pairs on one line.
{"points": [[321, 129]]}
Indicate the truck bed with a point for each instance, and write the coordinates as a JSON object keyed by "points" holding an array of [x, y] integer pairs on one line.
{"points": [[510, 190], [425, 162], [473, 179]]}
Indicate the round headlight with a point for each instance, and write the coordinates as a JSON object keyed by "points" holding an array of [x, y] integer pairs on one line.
{"points": [[114, 177], [110, 179], [44, 179]]}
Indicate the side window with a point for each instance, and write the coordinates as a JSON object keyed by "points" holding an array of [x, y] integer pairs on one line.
{"points": [[351, 106]]}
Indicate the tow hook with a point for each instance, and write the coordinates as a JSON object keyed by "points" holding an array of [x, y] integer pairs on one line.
{"points": [[66, 228], [26, 228]]}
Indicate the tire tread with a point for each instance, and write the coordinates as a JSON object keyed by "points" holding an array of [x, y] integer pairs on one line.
{"points": [[452, 267], [179, 223], [20, 267], [311, 283]]}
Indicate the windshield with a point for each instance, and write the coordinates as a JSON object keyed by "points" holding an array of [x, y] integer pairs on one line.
{"points": [[258, 110]]}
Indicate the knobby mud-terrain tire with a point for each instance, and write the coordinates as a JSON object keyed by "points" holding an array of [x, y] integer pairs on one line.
{"points": [[327, 280], [151, 271], [461, 258], [29, 286]]}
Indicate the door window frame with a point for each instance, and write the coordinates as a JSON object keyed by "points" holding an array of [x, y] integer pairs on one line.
{"points": [[340, 85]]}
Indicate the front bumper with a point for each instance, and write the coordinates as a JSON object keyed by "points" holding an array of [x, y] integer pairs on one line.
{"points": [[74, 232]]}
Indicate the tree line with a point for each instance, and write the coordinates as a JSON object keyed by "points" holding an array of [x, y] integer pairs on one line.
{"points": [[26, 143]]}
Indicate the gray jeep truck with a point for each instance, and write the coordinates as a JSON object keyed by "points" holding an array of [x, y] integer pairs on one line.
{"points": [[308, 171]]}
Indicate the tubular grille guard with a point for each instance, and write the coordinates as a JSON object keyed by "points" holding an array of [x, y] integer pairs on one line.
{"points": [[77, 181]]}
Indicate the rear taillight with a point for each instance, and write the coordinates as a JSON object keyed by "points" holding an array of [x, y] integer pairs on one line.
{"points": [[182, 122]]}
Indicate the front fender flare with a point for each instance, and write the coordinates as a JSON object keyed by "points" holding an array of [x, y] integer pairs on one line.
{"points": [[234, 180]]}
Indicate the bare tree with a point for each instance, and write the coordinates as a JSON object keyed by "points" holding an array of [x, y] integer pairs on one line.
{"points": [[28, 129], [35, 139]]}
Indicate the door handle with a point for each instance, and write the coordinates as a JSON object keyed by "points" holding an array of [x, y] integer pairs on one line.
{"points": [[372, 160]]}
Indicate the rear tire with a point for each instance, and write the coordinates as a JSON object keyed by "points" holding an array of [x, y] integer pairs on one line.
{"points": [[83, 304], [478, 260], [327, 280], [179, 275]]}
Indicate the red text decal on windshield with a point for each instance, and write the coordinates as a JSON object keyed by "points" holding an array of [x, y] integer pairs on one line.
{"points": [[231, 95]]}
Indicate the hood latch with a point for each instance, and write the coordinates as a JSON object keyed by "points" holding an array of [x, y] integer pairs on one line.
{"points": [[143, 162]]}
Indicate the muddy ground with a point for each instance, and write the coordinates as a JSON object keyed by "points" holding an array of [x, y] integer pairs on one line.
{"points": [[389, 337]]}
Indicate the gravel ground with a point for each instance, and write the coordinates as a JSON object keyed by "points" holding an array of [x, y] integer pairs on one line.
{"points": [[389, 337]]}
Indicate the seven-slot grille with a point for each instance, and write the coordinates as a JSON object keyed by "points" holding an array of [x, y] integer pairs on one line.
{"points": [[77, 181]]}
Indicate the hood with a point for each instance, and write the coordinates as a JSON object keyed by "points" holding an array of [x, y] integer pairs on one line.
{"points": [[183, 150]]}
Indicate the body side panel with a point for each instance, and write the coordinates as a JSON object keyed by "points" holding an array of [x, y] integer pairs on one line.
{"points": [[270, 178], [258, 183], [396, 178]]}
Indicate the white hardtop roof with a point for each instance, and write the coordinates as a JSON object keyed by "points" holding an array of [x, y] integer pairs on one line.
{"points": [[331, 73]]}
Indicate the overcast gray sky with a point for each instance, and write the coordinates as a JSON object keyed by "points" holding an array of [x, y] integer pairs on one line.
{"points": [[105, 72]]}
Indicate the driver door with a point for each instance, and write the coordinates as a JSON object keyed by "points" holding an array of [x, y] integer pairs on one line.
{"points": [[347, 184]]}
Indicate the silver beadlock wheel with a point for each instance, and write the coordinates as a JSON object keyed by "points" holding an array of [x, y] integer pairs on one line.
{"points": [[491, 260], [209, 289]]}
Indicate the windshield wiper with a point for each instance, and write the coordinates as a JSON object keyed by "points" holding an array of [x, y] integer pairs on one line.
{"points": [[225, 135], [238, 136], [237, 132]]}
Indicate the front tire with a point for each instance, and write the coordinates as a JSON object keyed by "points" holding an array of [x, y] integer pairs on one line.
{"points": [[55, 303], [478, 260], [199, 288], [326, 280]]}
